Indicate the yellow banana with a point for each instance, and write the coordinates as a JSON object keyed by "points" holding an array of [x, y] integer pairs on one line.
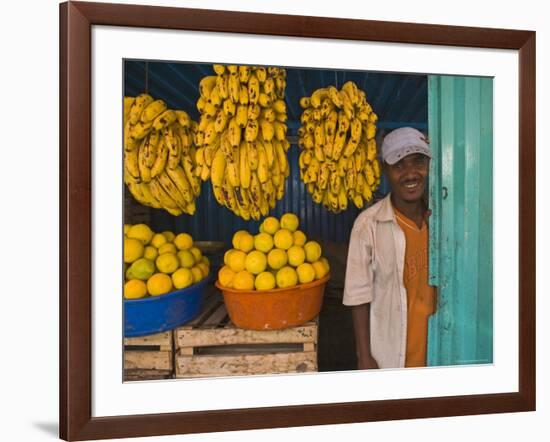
{"points": [[144, 170], [140, 102], [234, 88], [281, 156], [130, 143], [233, 69], [351, 146], [229, 107], [221, 121], [223, 86], [244, 74], [242, 115], [371, 131], [210, 134], [279, 106], [255, 189], [253, 89], [264, 100], [319, 135], [218, 168], [140, 130], [187, 166], [335, 97], [356, 127], [191, 208], [376, 168], [334, 183], [165, 119], [263, 168], [252, 154], [280, 130], [234, 133], [282, 118], [350, 88], [326, 107], [369, 175], [269, 86], [219, 69], [317, 195], [217, 191], [371, 149], [210, 110], [152, 111], [342, 199], [333, 202], [151, 148], [161, 158], [280, 85], [261, 73], [254, 111], [131, 163], [323, 176], [367, 193], [305, 102], [348, 106], [318, 151], [269, 152], [318, 96], [232, 172], [170, 188], [251, 130], [268, 130], [183, 118], [178, 177], [128, 103], [244, 168], [243, 96], [268, 114], [215, 98]]}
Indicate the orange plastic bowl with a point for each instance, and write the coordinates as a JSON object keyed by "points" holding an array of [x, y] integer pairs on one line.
{"points": [[274, 309]]}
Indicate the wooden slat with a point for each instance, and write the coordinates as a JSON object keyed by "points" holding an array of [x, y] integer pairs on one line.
{"points": [[201, 366], [232, 335], [162, 340], [147, 375], [309, 346], [148, 360]]}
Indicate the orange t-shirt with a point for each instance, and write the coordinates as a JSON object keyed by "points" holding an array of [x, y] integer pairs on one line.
{"points": [[420, 295]]}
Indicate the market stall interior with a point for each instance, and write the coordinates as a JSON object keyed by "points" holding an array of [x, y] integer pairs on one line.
{"points": [[397, 100]]}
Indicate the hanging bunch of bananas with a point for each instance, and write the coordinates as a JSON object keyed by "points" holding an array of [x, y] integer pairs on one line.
{"points": [[241, 137], [159, 155], [338, 159]]}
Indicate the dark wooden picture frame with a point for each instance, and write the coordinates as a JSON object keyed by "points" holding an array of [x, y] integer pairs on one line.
{"points": [[76, 21]]}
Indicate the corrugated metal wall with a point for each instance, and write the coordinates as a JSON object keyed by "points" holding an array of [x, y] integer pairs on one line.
{"points": [[397, 99], [461, 226]]}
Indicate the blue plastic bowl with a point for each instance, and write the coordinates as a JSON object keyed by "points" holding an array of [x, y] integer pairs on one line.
{"points": [[157, 314]]}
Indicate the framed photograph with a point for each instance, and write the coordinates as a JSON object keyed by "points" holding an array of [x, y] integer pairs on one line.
{"points": [[196, 142]]}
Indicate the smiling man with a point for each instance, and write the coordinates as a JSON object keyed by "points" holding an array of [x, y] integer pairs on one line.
{"points": [[387, 267]]}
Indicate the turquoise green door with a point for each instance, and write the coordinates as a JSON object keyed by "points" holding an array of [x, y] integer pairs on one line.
{"points": [[461, 226]]}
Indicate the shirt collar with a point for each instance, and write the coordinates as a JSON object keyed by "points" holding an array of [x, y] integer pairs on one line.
{"points": [[385, 213]]}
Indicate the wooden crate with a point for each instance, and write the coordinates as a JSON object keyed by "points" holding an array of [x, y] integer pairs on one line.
{"points": [[149, 357], [212, 346]]}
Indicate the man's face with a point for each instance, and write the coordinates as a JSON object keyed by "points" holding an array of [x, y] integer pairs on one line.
{"points": [[408, 177]]}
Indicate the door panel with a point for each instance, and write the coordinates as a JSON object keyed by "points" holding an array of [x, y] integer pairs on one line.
{"points": [[461, 225]]}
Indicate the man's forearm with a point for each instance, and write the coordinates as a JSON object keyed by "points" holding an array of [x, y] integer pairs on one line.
{"points": [[361, 326]]}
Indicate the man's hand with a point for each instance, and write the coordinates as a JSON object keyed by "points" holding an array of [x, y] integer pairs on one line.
{"points": [[367, 363]]}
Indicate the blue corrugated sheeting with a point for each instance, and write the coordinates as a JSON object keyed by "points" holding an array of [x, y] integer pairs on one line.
{"points": [[398, 100]]}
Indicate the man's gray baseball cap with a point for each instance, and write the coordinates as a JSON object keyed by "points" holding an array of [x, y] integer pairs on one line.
{"points": [[402, 142]]}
